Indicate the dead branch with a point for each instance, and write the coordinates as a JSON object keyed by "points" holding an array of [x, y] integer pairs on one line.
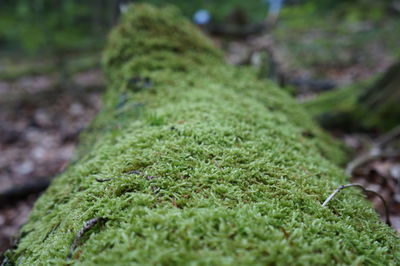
{"points": [[86, 227]]}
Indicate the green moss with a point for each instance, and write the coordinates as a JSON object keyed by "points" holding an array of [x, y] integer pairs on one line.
{"points": [[218, 168], [346, 107], [342, 99]]}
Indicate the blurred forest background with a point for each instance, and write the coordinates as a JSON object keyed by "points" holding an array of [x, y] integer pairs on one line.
{"points": [[340, 59]]}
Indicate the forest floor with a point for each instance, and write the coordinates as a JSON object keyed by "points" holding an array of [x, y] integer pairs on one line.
{"points": [[41, 117], [40, 122]]}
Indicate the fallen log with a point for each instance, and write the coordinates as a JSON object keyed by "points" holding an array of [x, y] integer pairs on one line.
{"points": [[193, 161], [380, 102], [365, 106]]}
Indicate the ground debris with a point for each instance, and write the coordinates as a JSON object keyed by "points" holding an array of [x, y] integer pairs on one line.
{"points": [[39, 129], [377, 168]]}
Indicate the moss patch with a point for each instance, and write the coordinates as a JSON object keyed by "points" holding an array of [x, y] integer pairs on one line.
{"points": [[369, 105], [337, 108], [208, 165]]}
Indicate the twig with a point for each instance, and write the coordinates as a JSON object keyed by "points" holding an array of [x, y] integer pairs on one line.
{"points": [[102, 180], [331, 196], [86, 227], [133, 172]]}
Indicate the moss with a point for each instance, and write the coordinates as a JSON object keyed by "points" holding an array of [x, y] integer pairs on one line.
{"points": [[383, 98], [337, 108], [217, 168], [364, 105]]}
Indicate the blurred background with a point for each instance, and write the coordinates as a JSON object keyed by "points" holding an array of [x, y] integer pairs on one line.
{"points": [[340, 59]]}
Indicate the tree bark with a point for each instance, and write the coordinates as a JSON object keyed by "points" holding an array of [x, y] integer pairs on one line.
{"points": [[193, 161]]}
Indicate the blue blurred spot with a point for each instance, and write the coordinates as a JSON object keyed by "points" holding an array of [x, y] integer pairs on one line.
{"points": [[201, 17], [274, 6]]}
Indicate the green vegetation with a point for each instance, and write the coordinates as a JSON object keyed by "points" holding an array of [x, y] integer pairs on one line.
{"points": [[337, 108], [46, 27], [368, 105], [327, 39], [206, 164], [322, 35], [25, 67]]}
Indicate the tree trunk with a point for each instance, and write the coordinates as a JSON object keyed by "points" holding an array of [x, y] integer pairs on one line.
{"points": [[193, 161]]}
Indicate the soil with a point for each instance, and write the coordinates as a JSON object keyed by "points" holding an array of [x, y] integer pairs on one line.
{"points": [[40, 124]]}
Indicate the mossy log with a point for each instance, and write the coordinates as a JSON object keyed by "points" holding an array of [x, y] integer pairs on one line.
{"points": [[381, 101], [367, 106], [195, 162]]}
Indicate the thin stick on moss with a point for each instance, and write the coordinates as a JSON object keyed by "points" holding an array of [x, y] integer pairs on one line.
{"points": [[331, 196], [103, 180], [86, 227]]}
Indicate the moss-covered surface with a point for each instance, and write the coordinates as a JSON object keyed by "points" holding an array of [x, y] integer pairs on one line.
{"points": [[383, 98], [337, 108], [368, 105], [208, 166]]}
